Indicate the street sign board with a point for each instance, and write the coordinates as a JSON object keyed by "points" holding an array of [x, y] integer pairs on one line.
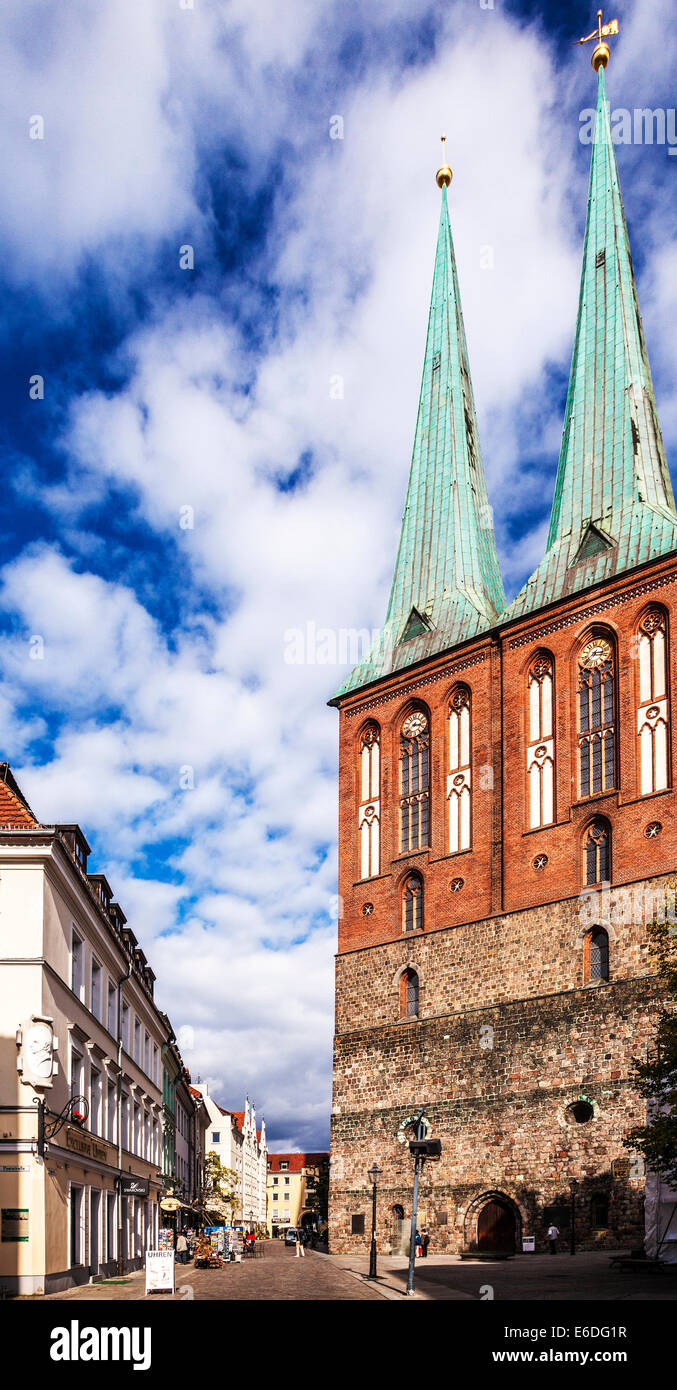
{"points": [[15, 1224], [160, 1271]]}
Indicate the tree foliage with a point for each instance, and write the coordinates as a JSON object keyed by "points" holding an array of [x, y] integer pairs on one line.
{"points": [[220, 1192]]}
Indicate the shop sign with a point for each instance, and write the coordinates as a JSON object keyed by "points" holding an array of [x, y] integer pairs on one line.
{"points": [[170, 1204], [528, 1245], [15, 1223], [160, 1271], [134, 1187], [86, 1145]]}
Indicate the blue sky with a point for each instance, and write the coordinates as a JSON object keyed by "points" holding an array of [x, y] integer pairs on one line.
{"points": [[192, 488]]}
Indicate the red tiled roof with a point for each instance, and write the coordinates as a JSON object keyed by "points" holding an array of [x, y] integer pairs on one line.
{"points": [[296, 1161], [238, 1116], [14, 811]]}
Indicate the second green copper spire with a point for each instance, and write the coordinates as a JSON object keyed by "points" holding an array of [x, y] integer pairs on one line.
{"points": [[613, 507]]}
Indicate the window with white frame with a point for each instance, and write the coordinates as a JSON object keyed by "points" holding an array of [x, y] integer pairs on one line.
{"points": [[111, 1109], [112, 1009], [77, 1073], [111, 1227], [541, 742], [459, 775], [77, 1225], [146, 1054], [77, 965], [414, 781], [596, 717], [95, 1100], [125, 1025], [369, 812], [652, 714], [137, 1041], [96, 988]]}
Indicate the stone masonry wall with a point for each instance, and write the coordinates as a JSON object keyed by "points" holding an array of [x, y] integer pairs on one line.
{"points": [[501, 1112]]}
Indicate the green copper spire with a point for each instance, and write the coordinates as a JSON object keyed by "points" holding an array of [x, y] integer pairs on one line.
{"points": [[447, 584], [613, 507]]}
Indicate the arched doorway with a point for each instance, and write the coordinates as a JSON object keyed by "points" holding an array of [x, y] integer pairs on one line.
{"points": [[397, 1232], [496, 1228]]}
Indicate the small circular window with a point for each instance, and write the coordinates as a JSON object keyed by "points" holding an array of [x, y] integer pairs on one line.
{"points": [[653, 830], [580, 1113], [367, 909], [456, 885]]}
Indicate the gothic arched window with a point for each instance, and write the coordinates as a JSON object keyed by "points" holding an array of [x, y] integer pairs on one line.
{"points": [[369, 813], [597, 853], [414, 781], [459, 774], [596, 730], [652, 715], [412, 903], [596, 964], [541, 742], [409, 993]]}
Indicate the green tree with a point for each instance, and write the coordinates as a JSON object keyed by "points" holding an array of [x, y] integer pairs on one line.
{"points": [[220, 1199], [656, 1078]]}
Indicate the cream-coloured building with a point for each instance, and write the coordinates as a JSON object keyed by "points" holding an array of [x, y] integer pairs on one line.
{"points": [[232, 1135], [292, 1198], [78, 1019]]}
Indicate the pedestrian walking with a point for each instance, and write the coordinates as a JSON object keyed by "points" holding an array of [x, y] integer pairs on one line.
{"points": [[553, 1233], [424, 1244], [182, 1249], [300, 1244], [418, 1243]]}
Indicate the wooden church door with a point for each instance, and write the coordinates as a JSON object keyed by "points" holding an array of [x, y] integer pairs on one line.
{"points": [[496, 1228]]}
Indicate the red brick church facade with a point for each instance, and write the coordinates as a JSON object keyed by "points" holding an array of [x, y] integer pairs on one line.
{"points": [[506, 799]]}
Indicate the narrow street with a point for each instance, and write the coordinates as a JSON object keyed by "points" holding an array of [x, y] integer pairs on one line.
{"points": [[274, 1273]]}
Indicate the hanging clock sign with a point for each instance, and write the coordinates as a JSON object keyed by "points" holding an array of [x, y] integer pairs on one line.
{"points": [[410, 1123]]}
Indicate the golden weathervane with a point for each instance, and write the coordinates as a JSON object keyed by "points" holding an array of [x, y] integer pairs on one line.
{"points": [[443, 174], [601, 52]]}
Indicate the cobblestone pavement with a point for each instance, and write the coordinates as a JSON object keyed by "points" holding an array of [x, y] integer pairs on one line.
{"points": [[275, 1273], [588, 1277]]}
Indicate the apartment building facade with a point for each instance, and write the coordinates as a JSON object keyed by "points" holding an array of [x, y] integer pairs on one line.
{"points": [[81, 1064]]}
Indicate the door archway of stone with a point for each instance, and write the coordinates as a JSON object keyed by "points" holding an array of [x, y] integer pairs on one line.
{"points": [[493, 1221], [496, 1228]]}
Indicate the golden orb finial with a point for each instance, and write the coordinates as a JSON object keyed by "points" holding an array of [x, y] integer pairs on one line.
{"points": [[601, 52], [444, 174]]}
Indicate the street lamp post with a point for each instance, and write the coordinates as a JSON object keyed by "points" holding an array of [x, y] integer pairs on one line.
{"points": [[573, 1185], [373, 1175]]}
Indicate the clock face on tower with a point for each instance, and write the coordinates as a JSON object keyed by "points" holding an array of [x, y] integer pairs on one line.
{"points": [[415, 725], [596, 653]]}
